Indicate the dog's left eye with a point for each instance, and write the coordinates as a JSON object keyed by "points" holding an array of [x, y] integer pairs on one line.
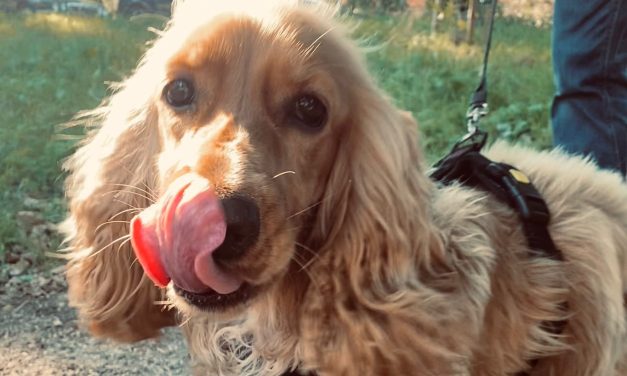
{"points": [[309, 111], [179, 93]]}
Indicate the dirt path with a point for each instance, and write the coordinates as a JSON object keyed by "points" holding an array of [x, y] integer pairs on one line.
{"points": [[39, 336]]}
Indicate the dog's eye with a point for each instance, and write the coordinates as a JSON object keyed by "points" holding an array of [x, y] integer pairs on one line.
{"points": [[179, 93], [309, 111]]}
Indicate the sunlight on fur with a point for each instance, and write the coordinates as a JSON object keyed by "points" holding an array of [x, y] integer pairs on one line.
{"points": [[359, 263]]}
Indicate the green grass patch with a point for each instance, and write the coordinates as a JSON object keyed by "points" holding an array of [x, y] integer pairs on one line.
{"points": [[52, 67], [433, 77], [56, 65]]}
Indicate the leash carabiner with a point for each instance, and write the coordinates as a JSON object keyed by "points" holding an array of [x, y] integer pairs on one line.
{"points": [[474, 114], [475, 139], [475, 136]]}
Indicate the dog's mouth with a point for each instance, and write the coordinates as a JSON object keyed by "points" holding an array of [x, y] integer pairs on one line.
{"points": [[192, 239], [213, 301]]}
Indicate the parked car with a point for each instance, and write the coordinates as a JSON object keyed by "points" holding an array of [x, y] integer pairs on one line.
{"points": [[78, 6], [83, 7], [12, 5], [136, 7], [35, 5]]}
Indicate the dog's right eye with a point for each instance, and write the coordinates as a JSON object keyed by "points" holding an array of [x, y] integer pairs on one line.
{"points": [[308, 111], [179, 93]]}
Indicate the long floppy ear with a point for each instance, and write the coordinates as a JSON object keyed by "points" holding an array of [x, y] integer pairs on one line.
{"points": [[110, 178], [380, 249], [376, 208]]}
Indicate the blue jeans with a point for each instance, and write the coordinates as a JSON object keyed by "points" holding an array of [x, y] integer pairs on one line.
{"points": [[589, 114]]}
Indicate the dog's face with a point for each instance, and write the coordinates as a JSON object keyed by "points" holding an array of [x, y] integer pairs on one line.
{"points": [[250, 117]]}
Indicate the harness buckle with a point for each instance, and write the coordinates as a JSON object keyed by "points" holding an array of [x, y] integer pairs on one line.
{"points": [[523, 195]]}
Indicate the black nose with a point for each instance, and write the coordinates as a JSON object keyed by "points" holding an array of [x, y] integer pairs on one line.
{"points": [[242, 227]]}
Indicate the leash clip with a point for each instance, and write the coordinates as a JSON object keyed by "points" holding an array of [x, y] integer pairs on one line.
{"points": [[475, 139], [474, 114]]}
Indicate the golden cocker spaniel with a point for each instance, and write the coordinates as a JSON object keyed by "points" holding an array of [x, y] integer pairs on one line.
{"points": [[279, 208]]}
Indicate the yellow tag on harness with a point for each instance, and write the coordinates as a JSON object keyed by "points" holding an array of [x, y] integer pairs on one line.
{"points": [[519, 176]]}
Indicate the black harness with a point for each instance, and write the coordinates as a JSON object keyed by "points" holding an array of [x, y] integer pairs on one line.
{"points": [[506, 183]]}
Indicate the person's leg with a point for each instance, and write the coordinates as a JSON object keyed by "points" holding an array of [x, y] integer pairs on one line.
{"points": [[589, 114]]}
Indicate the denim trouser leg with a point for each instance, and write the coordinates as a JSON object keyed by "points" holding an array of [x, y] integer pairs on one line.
{"points": [[589, 114]]}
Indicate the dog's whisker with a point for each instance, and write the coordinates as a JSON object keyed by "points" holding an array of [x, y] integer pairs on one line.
{"points": [[305, 210], [311, 49], [303, 268], [284, 173], [138, 194], [301, 245], [131, 210], [296, 257], [152, 191], [121, 238], [123, 244], [308, 263], [148, 188], [314, 255], [129, 205], [109, 223], [149, 194], [325, 198], [133, 263]]}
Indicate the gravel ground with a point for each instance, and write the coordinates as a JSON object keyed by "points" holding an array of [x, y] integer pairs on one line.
{"points": [[39, 336]]}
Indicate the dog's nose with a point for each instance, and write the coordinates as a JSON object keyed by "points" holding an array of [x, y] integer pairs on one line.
{"points": [[242, 227]]}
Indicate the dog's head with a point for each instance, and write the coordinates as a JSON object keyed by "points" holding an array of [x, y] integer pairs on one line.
{"points": [[258, 134], [249, 111]]}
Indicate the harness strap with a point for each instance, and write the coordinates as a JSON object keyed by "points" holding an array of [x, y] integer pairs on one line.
{"points": [[510, 186]]}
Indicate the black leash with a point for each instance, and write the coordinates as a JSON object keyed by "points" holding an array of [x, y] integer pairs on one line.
{"points": [[475, 139], [478, 107], [479, 103]]}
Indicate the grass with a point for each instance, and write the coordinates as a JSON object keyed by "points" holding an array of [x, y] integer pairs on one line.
{"points": [[52, 67], [434, 78], [56, 65]]}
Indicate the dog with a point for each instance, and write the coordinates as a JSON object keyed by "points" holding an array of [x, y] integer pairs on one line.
{"points": [[250, 183]]}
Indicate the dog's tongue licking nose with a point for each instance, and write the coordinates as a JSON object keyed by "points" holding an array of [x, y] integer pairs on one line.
{"points": [[176, 237]]}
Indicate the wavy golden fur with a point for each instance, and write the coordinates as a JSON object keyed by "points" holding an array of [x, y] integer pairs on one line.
{"points": [[365, 266]]}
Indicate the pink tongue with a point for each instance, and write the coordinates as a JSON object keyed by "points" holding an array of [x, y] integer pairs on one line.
{"points": [[176, 237]]}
